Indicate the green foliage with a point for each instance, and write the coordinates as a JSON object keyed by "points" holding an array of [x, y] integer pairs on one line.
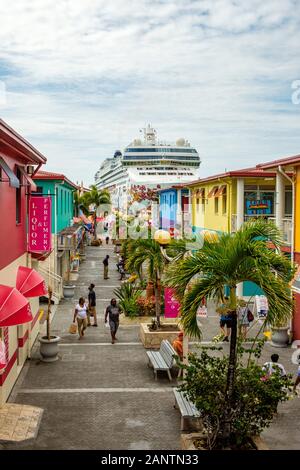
{"points": [[128, 296], [254, 402], [229, 260]]}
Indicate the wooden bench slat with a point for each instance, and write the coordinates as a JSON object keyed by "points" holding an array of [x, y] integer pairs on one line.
{"points": [[187, 408]]}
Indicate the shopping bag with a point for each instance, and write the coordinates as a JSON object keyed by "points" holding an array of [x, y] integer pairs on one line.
{"points": [[73, 329]]}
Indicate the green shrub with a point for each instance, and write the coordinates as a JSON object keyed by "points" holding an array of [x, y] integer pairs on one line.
{"points": [[128, 295], [255, 399]]}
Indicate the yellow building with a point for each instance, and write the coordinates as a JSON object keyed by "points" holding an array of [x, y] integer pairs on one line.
{"points": [[288, 169], [222, 203]]}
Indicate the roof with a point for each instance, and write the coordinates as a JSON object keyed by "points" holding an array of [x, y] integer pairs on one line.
{"points": [[244, 173], [286, 161], [21, 146], [49, 175]]}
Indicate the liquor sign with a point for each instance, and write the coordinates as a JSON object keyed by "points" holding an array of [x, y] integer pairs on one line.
{"points": [[39, 233], [171, 304]]}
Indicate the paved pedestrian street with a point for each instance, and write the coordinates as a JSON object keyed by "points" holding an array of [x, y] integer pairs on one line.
{"points": [[103, 396]]}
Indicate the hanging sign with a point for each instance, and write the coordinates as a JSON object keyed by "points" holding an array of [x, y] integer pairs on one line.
{"points": [[39, 230], [171, 304], [261, 306]]}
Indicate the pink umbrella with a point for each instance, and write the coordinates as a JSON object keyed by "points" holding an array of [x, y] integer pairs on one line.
{"points": [[14, 307], [30, 283]]}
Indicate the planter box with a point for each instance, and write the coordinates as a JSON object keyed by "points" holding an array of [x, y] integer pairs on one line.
{"points": [[187, 441], [152, 339]]}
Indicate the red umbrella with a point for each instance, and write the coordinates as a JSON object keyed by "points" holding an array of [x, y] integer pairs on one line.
{"points": [[30, 283], [14, 307]]}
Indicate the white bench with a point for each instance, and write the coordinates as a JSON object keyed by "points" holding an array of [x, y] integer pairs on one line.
{"points": [[187, 410], [162, 359]]}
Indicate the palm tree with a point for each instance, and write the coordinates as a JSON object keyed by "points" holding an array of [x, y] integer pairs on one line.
{"points": [[147, 251], [95, 198], [225, 262]]}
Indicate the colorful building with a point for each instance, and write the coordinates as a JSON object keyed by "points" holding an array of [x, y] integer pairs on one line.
{"points": [[222, 203], [66, 236], [19, 160], [287, 172]]}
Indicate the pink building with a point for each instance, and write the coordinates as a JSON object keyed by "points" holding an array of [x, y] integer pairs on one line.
{"points": [[19, 160]]}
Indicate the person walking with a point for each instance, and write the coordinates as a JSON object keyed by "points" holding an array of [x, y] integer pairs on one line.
{"points": [[244, 315], [105, 263], [92, 306], [225, 320], [271, 367], [80, 315], [113, 313]]}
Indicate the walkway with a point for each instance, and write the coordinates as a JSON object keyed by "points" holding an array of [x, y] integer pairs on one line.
{"points": [[103, 396]]}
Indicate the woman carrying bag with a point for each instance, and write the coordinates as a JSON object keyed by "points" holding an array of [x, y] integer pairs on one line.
{"points": [[81, 316]]}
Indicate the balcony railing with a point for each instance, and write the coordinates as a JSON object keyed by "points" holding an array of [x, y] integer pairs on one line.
{"points": [[287, 224]]}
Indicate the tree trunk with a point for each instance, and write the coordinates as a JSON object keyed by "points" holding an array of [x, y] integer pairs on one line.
{"points": [[157, 299], [95, 225], [229, 392]]}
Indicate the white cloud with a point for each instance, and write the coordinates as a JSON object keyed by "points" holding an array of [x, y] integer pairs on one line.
{"points": [[82, 77]]}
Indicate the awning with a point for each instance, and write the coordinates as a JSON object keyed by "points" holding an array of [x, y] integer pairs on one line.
{"points": [[13, 180], [200, 192], [30, 283], [14, 307], [213, 191], [30, 181], [221, 190]]}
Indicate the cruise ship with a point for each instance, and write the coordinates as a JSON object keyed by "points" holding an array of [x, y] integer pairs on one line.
{"points": [[150, 163]]}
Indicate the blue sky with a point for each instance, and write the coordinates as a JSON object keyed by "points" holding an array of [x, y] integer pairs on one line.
{"points": [[80, 78]]}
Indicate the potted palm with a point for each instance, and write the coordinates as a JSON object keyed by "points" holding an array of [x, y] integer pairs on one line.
{"points": [[280, 336], [49, 343], [68, 287], [225, 262]]}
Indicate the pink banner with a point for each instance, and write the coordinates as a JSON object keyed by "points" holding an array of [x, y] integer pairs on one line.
{"points": [[171, 304], [39, 233]]}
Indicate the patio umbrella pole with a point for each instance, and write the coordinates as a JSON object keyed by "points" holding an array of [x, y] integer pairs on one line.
{"points": [[49, 312]]}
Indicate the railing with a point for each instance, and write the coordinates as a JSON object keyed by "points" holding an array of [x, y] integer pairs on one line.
{"points": [[53, 280], [287, 228], [66, 242]]}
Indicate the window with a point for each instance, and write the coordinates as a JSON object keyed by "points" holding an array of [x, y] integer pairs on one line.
{"points": [[216, 205], [203, 203], [198, 204], [18, 198], [288, 203], [224, 203]]}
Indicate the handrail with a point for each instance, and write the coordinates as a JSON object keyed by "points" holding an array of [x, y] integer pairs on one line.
{"points": [[50, 273]]}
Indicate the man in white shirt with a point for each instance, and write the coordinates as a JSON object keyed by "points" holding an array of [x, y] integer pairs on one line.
{"points": [[273, 366]]}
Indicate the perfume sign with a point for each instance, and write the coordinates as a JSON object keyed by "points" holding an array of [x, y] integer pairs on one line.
{"points": [[39, 234]]}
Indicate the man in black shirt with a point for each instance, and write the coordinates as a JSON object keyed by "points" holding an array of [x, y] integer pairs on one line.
{"points": [[92, 305], [105, 263], [113, 312]]}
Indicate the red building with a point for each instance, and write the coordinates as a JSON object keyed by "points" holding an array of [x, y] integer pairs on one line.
{"points": [[19, 160]]}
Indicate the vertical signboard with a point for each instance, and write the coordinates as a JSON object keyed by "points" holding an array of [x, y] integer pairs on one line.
{"points": [[39, 233], [171, 304]]}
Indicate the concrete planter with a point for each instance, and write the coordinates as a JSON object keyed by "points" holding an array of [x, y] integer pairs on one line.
{"points": [[280, 337], [68, 291], [49, 348], [187, 441], [152, 339]]}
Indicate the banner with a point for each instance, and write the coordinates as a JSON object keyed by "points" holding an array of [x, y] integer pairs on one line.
{"points": [[39, 232], [171, 304]]}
